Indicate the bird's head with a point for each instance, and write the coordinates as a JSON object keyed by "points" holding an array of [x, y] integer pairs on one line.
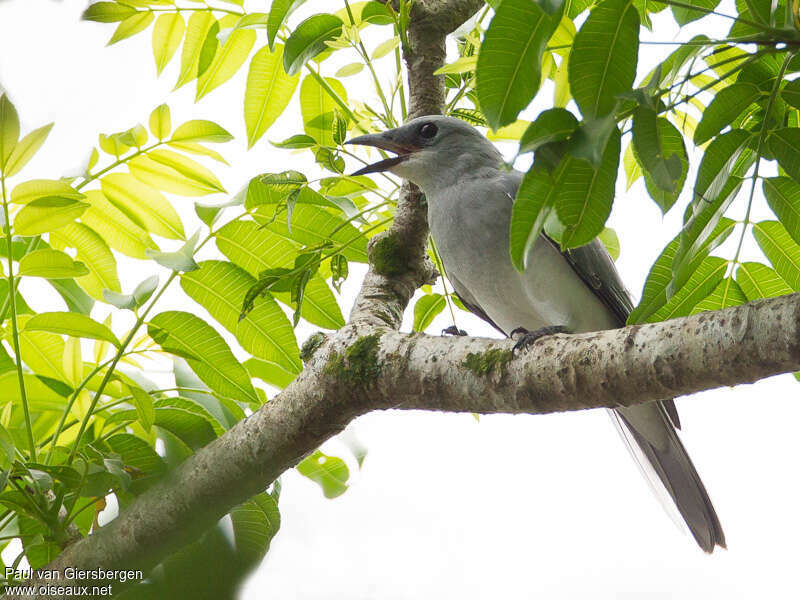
{"points": [[432, 151]]}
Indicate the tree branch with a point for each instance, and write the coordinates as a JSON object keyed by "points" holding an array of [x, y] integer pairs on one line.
{"points": [[358, 370]]}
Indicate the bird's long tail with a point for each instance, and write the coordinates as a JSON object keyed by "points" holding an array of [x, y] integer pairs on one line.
{"points": [[655, 445]]}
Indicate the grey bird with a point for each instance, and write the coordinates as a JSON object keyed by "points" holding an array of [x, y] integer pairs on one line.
{"points": [[470, 195]]}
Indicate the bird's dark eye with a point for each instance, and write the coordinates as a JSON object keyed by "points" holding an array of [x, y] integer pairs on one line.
{"points": [[428, 131]]}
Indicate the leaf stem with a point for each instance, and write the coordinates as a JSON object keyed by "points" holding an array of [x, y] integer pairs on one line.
{"points": [[12, 294], [118, 162]]}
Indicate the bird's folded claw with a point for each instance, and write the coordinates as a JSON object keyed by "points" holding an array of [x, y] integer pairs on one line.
{"points": [[453, 330], [525, 339]]}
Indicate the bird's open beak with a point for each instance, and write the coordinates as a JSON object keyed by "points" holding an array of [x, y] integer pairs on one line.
{"points": [[384, 141]]}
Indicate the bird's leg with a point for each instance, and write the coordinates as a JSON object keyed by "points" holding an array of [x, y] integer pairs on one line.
{"points": [[453, 330], [525, 339]]}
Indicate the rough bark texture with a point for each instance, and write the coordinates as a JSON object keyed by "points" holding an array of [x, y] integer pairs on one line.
{"points": [[368, 365]]}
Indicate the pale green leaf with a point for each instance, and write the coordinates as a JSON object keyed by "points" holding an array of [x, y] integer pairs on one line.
{"points": [[228, 59], [426, 309], [51, 264], [760, 281], [160, 122], [47, 214], [167, 36], [727, 293], [34, 189], [185, 334], [131, 26], [318, 108], [72, 324], [9, 129], [269, 90], [197, 30], [116, 227], [143, 205], [201, 131], [93, 251], [781, 250], [265, 332], [25, 149]]}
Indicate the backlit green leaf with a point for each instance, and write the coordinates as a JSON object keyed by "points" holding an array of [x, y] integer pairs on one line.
{"points": [[160, 123], [602, 63], [727, 293], [727, 104], [265, 332], [330, 472], [215, 364], [42, 188], [131, 26], [269, 90], [318, 108], [201, 131], [108, 12], [785, 146], [279, 12], [760, 281], [308, 40], [9, 129], [783, 196], [197, 31], [426, 309], [47, 214], [778, 246], [534, 202], [72, 324], [51, 264], [167, 36], [116, 227], [25, 149], [93, 251], [510, 58], [699, 285], [553, 125], [228, 59], [143, 205]]}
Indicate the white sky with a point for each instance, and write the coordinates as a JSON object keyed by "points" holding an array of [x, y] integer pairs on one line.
{"points": [[446, 507]]}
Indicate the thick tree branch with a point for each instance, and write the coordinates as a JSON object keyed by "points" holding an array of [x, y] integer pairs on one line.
{"points": [[359, 370]]}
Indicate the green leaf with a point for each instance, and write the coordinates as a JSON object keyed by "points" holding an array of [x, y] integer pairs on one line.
{"points": [[350, 70], [308, 40], [93, 251], [167, 36], [147, 465], [269, 90], [330, 472], [197, 31], [255, 523], [699, 285], [385, 47], [160, 122], [265, 332], [727, 293], [75, 298], [671, 142], [296, 142], [144, 407], [778, 246], [201, 131], [40, 396], [181, 260], [318, 108], [51, 264], [584, 195], [143, 205], [533, 204], [108, 12], [131, 26], [760, 281], [72, 324], [602, 63], [270, 372], [791, 93], [196, 173], [256, 249], [785, 146], [164, 177], [510, 59], [684, 15], [9, 130], [610, 240], [47, 214], [34, 189], [553, 125], [195, 148], [663, 167], [783, 197], [185, 334], [728, 104], [312, 225], [654, 295], [226, 62], [116, 227], [426, 309], [25, 149], [280, 11]]}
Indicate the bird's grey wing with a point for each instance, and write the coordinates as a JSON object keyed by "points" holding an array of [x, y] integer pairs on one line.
{"points": [[470, 303], [594, 266]]}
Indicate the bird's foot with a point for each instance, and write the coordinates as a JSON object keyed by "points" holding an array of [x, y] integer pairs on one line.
{"points": [[453, 330], [525, 339]]}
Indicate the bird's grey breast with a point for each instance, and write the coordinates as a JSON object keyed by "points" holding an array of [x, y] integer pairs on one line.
{"points": [[470, 224]]}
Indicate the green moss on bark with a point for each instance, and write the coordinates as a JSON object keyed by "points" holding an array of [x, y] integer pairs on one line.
{"points": [[360, 364], [311, 345], [491, 361], [389, 256]]}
